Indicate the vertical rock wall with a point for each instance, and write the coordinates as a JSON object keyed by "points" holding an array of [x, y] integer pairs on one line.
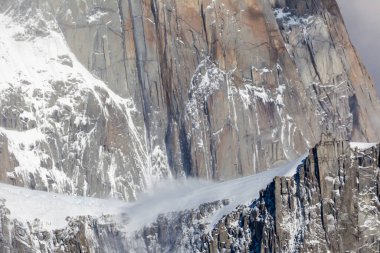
{"points": [[331, 204], [212, 89], [228, 88]]}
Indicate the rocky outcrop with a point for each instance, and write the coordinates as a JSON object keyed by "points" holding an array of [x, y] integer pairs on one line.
{"points": [[332, 204], [175, 232], [7, 160], [81, 235]]}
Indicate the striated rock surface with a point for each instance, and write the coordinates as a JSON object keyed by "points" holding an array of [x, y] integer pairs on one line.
{"points": [[212, 89], [331, 205]]}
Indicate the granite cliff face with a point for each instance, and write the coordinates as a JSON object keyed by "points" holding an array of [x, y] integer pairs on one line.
{"points": [[331, 204], [211, 89], [109, 98]]}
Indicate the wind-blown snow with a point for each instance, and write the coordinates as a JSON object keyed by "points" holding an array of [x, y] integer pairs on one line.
{"points": [[52, 209], [362, 145]]}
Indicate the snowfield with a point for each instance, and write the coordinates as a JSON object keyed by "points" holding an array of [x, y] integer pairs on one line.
{"points": [[52, 209]]}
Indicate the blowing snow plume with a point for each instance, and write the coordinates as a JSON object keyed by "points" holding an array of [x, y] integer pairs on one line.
{"points": [[171, 196]]}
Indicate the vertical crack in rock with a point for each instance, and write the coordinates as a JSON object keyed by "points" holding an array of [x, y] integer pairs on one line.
{"points": [[122, 29], [136, 15]]}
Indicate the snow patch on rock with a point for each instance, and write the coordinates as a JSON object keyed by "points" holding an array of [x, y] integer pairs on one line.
{"points": [[57, 116]]}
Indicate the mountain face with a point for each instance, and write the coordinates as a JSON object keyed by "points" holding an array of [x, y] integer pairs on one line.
{"points": [[331, 204], [111, 98], [107, 98]]}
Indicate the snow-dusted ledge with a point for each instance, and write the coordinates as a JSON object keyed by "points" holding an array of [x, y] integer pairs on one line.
{"points": [[362, 145]]}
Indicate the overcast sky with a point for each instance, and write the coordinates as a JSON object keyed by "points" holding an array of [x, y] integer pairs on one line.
{"points": [[362, 18]]}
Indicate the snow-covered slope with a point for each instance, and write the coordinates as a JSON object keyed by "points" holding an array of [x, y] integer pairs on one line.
{"points": [[172, 196], [65, 130]]}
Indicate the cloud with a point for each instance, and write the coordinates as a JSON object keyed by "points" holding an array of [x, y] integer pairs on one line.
{"points": [[362, 19]]}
